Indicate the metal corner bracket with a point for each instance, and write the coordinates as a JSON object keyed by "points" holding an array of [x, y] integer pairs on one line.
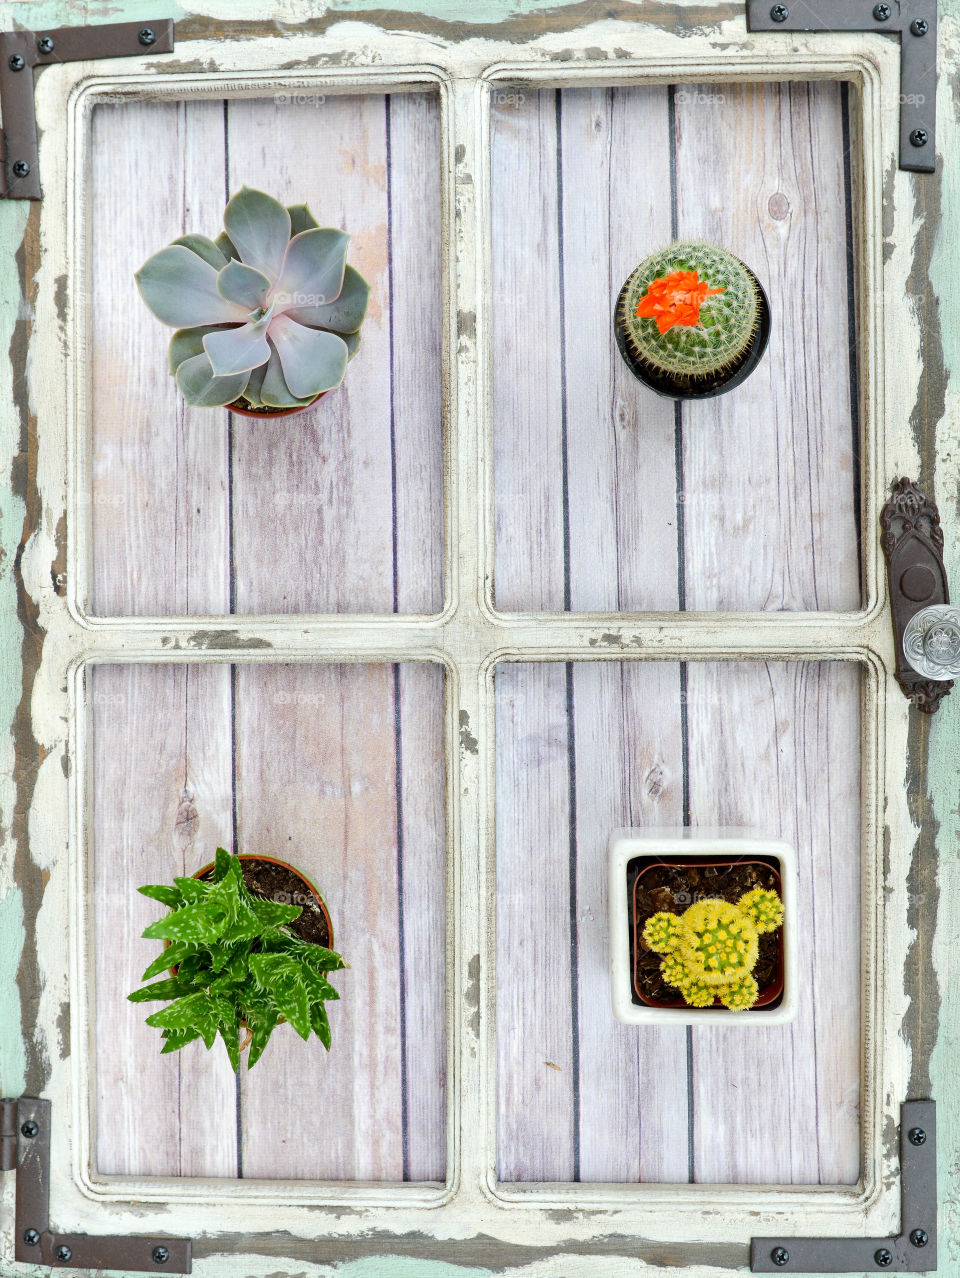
{"points": [[914, 1250], [914, 21], [21, 51], [25, 1149]]}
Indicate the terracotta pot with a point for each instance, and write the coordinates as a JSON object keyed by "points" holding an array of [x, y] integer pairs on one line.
{"points": [[298, 875], [769, 994], [276, 413]]}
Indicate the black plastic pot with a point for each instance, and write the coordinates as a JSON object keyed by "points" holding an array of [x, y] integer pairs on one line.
{"points": [[696, 387]]}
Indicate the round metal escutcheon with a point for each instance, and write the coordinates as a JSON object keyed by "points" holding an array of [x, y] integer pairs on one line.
{"points": [[931, 642]]}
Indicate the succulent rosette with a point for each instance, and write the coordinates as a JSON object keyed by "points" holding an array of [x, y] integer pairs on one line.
{"points": [[267, 314]]}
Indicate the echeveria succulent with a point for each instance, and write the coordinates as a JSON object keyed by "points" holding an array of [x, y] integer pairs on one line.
{"points": [[268, 313]]}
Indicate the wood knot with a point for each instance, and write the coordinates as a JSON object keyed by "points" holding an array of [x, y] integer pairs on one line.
{"points": [[778, 206], [187, 820]]}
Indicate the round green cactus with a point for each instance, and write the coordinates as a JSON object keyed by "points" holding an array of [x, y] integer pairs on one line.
{"points": [[690, 315], [711, 949]]}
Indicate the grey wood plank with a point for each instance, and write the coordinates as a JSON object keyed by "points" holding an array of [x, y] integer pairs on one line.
{"points": [[415, 312], [529, 564], [536, 1086], [622, 525], [780, 1105], [415, 282], [769, 469], [325, 479], [629, 772], [161, 805], [620, 512], [158, 507], [419, 707], [316, 774]]}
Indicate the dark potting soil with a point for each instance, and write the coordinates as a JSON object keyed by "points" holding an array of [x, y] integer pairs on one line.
{"points": [[672, 888], [276, 883], [265, 409]]}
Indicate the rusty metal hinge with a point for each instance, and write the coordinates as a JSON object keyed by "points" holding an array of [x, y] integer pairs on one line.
{"points": [[914, 21], [914, 1250], [21, 51], [25, 1149]]}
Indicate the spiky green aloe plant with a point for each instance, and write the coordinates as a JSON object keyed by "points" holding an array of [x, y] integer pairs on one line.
{"points": [[690, 314], [711, 949], [237, 964], [267, 315]]}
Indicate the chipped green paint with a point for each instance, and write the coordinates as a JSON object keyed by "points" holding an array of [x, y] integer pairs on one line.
{"points": [[942, 790], [13, 1063], [468, 741]]}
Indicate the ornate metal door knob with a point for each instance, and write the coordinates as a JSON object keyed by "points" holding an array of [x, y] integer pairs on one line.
{"points": [[926, 629], [931, 642]]}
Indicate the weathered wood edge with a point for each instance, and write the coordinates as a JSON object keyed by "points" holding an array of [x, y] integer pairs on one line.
{"points": [[28, 280]]}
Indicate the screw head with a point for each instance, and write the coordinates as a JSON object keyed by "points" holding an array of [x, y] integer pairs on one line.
{"points": [[20, 169], [29, 1128], [919, 26], [779, 13], [919, 1238], [780, 1255], [147, 36], [16, 62], [883, 1257], [916, 1135], [63, 1253], [45, 44], [31, 1238], [160, 1255], [919, 137], [881, 12]]}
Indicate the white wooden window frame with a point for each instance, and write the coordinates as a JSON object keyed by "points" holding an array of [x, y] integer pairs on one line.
{"points": [[469, 637]]}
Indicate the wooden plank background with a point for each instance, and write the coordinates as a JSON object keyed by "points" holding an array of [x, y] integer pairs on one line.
{"points": [[610, 498], [607, 498], [747, 501], [586, 748], [350, 490], [339, 770]]}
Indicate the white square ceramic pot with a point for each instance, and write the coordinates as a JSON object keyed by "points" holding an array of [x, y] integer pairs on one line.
{"points": [[676, 845]]}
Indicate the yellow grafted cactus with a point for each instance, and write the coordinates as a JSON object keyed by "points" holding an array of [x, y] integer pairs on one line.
{"points": [[764, 907], [697, 994], [711, 949], [662, 932]]}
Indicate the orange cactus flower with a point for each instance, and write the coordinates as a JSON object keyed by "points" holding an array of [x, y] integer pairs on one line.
{"points": [[675, 299]]}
